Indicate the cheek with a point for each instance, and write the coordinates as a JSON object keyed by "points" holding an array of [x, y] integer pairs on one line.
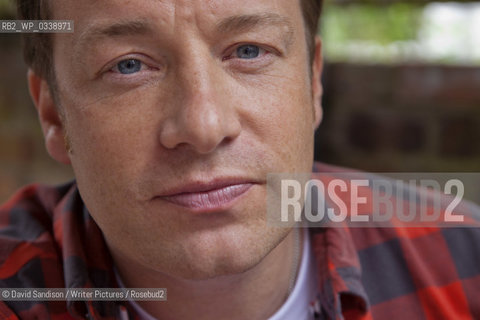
{"points": [[280, 116], [109, 140]]}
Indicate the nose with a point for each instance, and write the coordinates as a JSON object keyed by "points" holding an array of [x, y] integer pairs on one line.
{"points": [[204, 115]]}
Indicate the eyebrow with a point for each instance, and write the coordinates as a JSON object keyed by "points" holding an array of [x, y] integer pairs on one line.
{"points": [[244, 23], [248, 21], [122, 28]]}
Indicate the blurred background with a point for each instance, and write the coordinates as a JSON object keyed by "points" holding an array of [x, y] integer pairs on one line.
{"points": [[401, 92], [402, 85]]}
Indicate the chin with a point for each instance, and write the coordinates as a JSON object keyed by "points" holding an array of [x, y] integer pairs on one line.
{"points": [[209, 267], [225, 257]]}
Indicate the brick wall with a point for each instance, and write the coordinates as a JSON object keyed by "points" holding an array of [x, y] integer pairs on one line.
{"points": [[401, 118]]}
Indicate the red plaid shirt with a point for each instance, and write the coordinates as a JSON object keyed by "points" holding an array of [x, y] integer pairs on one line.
{"points": [[49, 240]]}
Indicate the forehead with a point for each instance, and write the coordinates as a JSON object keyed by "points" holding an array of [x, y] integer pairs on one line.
{"points": [[171, 15]]}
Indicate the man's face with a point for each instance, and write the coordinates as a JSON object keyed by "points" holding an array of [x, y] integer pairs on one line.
{"points": [[175, 111]]}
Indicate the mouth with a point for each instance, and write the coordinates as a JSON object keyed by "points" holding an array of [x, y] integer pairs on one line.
{"points": [[207, 197]]}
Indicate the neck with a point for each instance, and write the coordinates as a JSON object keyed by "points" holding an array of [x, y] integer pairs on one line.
{"points": [[254, 294]]}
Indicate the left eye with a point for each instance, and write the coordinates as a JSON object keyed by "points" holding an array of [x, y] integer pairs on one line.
{"points": [[128, 66], [248, 51]]}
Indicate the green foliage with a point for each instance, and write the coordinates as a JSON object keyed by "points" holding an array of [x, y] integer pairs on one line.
{"points": [[348, 27], [380, 23]]}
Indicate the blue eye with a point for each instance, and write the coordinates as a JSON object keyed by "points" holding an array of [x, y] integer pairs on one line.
{"points": [[129, 66], [248, 52]]}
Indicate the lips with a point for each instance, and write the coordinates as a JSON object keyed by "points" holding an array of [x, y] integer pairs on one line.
{"points": [[207, 197]]}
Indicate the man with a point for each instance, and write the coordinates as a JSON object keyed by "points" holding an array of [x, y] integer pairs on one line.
{"points": [[172, 113]]}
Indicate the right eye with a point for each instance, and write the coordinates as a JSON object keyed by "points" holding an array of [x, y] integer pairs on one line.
{"points": [[249, 51], [128, 66]]}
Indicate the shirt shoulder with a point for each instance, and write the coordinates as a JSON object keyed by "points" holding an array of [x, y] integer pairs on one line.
{"points": [[29, 253], [430, 271], [29, 212]]}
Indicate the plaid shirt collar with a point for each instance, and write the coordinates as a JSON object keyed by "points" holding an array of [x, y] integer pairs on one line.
{"points": [[339, 275]]}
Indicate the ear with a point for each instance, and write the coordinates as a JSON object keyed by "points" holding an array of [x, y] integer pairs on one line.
{"points": [[317, 89], [50, 120]]}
